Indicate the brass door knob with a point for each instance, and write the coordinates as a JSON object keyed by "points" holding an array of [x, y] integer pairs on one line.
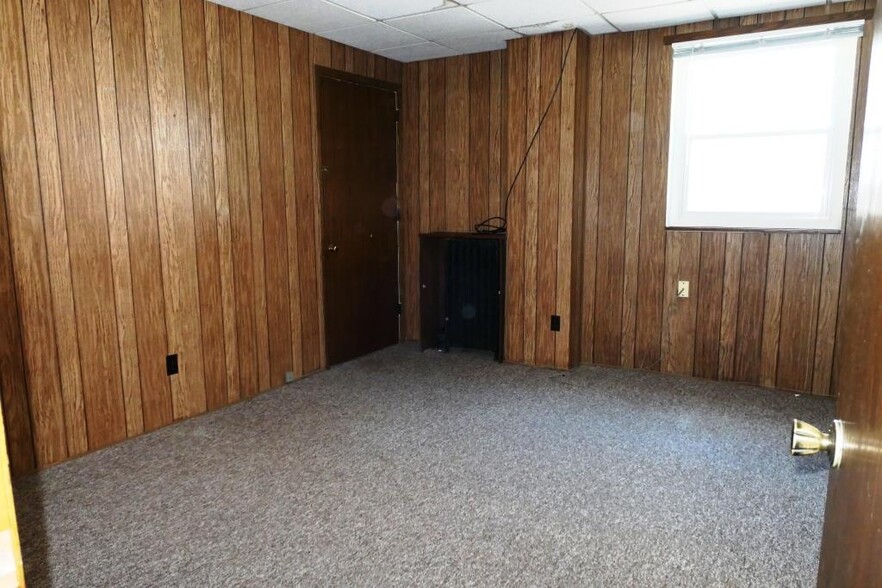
{"points": [[807, 439]]}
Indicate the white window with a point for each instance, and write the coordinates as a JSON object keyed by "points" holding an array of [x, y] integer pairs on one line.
{"points": [[760, 129]]}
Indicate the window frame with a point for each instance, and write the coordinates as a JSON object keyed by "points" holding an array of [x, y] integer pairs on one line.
{"points": [[832, 217]]}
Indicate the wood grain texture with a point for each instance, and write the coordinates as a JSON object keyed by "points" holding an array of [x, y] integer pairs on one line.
{"points": [[202, 173], [751, 301], [291, 212], [174, 198], [13, 384], [222, 204], [615, 130], [272, 172], [651, 264], [456, 141], [515, 116], [634, 200], [255, 200], [799, 311], [531, 199], [57, 246], [678, 339], [709, 302], [108, 125], [729, 313], [79, 139], [162, 154], [548, 198], [136, 142]]}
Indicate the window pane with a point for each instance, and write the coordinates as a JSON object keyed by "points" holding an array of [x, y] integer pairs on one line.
{"points": [[760, 129], [758, 174], [785, 88]]}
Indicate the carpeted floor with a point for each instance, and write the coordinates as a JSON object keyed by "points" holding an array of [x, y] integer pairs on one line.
{"points": [[403, 469]]}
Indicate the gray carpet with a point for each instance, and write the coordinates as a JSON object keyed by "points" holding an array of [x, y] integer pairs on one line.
{"points": [[404, 469]]}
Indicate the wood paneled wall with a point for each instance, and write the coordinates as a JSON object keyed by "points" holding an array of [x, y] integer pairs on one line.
{"points": [[161, 196], [466, 125], [763, 307]]}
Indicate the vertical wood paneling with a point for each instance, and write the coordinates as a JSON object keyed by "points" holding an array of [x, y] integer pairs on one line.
{"points": [[202, 172], [709, 302], [174, 197], [678, 337], [592, 193], [222, 204], [108, 123], [456, 154], [567, 218], [240, 222], [751, 300], [772, 309], [548, 198], [516, 112], [291, 212], [478, 152], [731, 327], [729, 313], [799, 311], [163, 161], [273, 200], [82, 172], [43, 101], [13, 385], [437, 148], [307, 201], [650, 287], [496, 181], [409, 196], [425, 197], [255, 201], [136, 141], [828, 313], [531, 198], [615, 129], [634, 199]]}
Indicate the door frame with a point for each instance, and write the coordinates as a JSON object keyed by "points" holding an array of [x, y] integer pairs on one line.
{"points": [[319, 72]]}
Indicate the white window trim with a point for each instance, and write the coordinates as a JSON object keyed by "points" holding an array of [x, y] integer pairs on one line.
{"points": [[832, 216]]}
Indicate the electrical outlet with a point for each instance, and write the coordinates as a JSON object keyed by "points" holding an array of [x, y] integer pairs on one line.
{"points": [[171, 364], [683, 289]]}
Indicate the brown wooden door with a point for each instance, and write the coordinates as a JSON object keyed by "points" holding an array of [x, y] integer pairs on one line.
{"points": [[358, 134], [851, 550]]}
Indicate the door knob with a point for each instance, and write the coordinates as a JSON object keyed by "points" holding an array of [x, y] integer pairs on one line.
{"points": [[332, 248], [807, 439]]}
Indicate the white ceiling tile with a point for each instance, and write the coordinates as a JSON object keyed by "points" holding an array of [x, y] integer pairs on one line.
{"points": [[602, 6], [417, 52], [445, 24], [522, 13], [594, 25], [312, 16], [659, 16], [383, 9], [243, 4], [484, 42], [373, 37], [729, 8]]}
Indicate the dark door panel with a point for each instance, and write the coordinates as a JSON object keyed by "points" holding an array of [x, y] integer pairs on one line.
{"points": [[357, 127]]}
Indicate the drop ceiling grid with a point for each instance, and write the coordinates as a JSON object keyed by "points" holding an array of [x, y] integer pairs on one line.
{"points": [[413, 30]]}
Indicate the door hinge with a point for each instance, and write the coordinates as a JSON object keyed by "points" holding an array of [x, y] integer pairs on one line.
{"points": [[398, 308]]}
